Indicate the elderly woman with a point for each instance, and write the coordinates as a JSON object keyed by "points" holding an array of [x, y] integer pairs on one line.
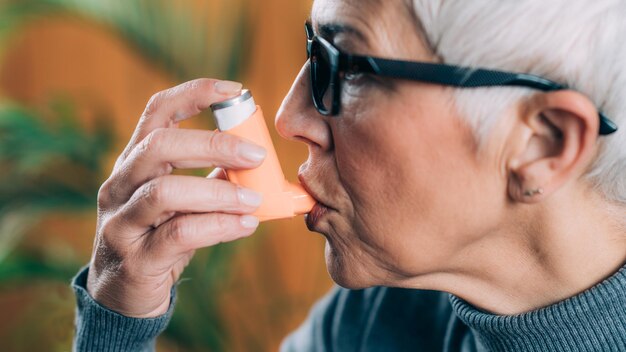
{"points": [[470, 177]]}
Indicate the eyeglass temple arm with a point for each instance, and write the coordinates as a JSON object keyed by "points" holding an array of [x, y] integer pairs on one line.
{"points": [[456, 76]]}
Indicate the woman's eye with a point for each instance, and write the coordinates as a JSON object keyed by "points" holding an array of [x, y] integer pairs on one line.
{"points": [[352, 77], [356, 84]]}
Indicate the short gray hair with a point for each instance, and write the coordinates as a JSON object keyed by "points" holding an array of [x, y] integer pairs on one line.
{"points": [[579, 43]]}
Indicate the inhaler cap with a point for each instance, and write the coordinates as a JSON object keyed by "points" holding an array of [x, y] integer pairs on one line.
{"points": [[235, 111]]}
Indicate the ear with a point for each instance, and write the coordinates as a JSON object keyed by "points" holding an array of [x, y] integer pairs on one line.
{"points": [[555, 142]]}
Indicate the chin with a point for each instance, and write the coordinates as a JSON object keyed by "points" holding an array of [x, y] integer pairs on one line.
{"points": [[342, 271]]}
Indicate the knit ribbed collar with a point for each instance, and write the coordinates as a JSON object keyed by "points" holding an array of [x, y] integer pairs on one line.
{"points": [[594, 320]]}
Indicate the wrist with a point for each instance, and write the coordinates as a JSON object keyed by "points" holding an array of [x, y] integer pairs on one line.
{"points": [[99, 328], [125, 299]]}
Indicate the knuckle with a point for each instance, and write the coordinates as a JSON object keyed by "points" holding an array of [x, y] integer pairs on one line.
{"points": [[155, 192], [106, 228], [178, 230], [120, 159], [154, 143], [221, 144], [155, 103], [212, 143], [106, 194], [224, 192], [224, 222], [200, 84]]}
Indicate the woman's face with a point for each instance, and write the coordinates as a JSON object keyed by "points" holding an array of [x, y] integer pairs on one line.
{"points": [[407, 187]]}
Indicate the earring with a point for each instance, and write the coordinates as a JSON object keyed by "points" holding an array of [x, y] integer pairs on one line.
{"points": [[533, 192]]}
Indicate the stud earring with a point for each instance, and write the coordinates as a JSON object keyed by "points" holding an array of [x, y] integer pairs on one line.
{"points": [[533, 192]]}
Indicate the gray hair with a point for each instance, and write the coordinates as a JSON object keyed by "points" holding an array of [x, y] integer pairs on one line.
{"points": [[579, 43]]}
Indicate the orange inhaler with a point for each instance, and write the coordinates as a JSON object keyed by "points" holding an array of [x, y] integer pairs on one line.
{"points": [[241, 117]]}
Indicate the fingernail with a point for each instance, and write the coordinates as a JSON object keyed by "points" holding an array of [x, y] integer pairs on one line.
{"points": [[249, 197], [249, 221], [228, 87], [251, 152]]}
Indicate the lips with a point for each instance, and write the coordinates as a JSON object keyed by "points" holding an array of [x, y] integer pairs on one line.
{"points": [[308, 189], [319, 210]]}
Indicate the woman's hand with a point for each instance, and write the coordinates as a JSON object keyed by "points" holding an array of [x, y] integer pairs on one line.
{"points": [[149, 221]]}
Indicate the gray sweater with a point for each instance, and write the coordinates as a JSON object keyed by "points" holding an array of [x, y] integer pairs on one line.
{"points": [[390, 319]]}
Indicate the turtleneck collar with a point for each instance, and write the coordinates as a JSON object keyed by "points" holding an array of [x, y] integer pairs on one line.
{"points": [[594, 320]]}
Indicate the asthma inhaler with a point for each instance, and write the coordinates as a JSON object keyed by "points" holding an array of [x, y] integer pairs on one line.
{"points": [[241, 117]]}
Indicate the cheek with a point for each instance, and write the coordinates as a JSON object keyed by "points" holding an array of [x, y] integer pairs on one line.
{"points": [[372, 170], [409, 180]]}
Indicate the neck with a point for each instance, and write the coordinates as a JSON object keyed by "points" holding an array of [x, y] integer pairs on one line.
{"points": [[566, 245]]}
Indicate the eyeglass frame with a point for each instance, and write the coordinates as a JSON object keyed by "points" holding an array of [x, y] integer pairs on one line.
{"points": [[447, 75]]}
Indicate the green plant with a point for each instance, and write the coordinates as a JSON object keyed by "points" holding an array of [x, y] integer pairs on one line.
{"points": [[48, 167], [48, 164], [206, 38]]}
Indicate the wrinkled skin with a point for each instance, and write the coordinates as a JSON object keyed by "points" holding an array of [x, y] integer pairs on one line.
{"points": [[413, 199]]}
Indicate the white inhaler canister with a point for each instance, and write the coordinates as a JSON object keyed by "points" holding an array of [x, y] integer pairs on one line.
{"points": [[240, 116]]}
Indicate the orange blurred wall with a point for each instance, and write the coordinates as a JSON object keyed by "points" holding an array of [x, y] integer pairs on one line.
{"points": [[93, 67]]}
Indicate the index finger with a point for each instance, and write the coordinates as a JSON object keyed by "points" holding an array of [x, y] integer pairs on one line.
{"points": [[171, 106]]}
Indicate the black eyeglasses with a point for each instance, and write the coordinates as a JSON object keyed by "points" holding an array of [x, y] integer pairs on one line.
{"points": [[329, 66]]}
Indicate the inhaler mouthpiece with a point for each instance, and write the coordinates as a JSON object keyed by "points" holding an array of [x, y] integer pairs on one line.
{"points": [[240, 116]]}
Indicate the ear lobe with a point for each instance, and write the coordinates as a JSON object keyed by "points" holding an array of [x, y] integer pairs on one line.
{"points": [[531, 182], [559, 142]]}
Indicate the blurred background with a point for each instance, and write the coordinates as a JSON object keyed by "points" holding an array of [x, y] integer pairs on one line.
{"points": [[75, 76]]}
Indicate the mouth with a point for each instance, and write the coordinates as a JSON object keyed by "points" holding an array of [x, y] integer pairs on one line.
{"points": [[314, 217], [319, 210]]}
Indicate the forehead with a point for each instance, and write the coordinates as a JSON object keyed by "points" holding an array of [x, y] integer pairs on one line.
{"points": [[327, 9], [388, 26], [354, 13]]}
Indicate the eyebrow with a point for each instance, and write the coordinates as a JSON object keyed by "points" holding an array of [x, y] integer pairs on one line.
{"points": [[330, 30]]}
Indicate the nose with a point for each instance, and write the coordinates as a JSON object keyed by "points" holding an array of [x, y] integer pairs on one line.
{"points": [[297, 119]]}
